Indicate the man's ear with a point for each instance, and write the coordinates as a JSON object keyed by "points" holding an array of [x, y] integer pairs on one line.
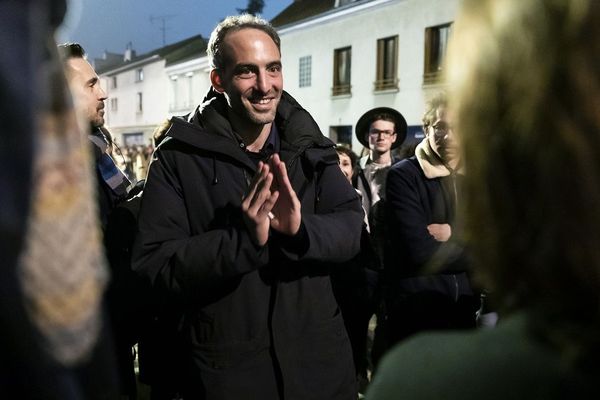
{"points": [[216, 81]]}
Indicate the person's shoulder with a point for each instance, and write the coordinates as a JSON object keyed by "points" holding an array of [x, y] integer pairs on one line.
{"points": [[503, 362], [407, 167], [404, 164]]}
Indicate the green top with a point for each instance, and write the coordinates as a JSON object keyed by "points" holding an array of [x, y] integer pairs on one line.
{"points": [[500, 363]]}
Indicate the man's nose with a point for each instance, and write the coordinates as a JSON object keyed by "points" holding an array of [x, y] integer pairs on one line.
{"points": [[102, 94], [262, 82]]}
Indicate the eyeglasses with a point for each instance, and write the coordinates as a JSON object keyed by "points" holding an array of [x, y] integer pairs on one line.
{"points": [[441, 128], [377, 132]]}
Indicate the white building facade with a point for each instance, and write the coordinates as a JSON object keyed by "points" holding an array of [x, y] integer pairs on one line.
{"points": [[145, 91], [348, 57], [134, 107], [366, 54], [189, 82]]}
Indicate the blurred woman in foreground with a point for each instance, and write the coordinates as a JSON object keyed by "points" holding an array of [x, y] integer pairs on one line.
{"points": [[524, 78]]}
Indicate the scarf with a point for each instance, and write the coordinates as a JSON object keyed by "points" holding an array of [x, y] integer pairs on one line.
{"points": [[110, 173]]}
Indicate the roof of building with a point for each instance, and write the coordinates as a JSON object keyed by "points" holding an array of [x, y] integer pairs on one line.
{"points": [[300, 10], [180, 51]]}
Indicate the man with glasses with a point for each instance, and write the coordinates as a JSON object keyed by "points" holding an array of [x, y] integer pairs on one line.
{"points": [[427, 287], [380, 130]]}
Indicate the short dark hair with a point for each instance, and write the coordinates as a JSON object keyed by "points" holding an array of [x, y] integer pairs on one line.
{"points": [[233, 24], [70, 50], [344, 149], [383, 117]]}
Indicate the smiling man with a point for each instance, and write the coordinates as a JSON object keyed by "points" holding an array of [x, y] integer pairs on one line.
{"points": [[244, 213]]}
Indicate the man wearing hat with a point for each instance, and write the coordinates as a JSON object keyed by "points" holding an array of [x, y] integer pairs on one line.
{"points": [[380, 130]]}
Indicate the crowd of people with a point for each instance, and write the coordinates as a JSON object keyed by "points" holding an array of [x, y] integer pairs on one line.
{"points": [[133, 160], [250, 258]]}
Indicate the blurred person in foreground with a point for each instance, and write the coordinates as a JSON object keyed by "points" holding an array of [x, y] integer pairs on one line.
{"points": [[244, 214], [53, 274], [526, 81]]}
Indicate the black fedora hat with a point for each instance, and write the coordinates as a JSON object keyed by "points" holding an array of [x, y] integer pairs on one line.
{"points": [[364, 123]]}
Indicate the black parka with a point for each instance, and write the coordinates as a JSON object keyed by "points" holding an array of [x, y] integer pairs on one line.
{"points": [[261, 322]]}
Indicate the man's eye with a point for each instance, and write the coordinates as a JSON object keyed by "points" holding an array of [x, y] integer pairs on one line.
{"points": [[275, 69], [244, 72], [440, 126]]}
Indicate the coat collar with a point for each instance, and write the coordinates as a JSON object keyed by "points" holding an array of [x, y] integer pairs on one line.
{"points": [[209, 129], [431, 163]]}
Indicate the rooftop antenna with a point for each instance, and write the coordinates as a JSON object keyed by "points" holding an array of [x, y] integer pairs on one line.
{"points": [[163, 25]]}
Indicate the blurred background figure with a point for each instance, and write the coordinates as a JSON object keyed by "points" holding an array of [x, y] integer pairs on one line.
{"points": [[347, 160], [526, 82], [53, 274], [426, 284], [354, 286]]}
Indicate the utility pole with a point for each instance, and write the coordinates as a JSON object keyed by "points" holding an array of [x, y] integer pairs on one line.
{"points": [[163, 25]]}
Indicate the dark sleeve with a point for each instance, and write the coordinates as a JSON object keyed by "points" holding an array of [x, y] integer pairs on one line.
{"points": [[333, 232], [165, 248], [407, 236], [407, 216]]}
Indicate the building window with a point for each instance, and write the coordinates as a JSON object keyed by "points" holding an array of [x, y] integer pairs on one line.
{"points": [[174, 105], [139, 75], [341, 71], [387, 64], [436, 44], [139, 107], [114, 82], [304, 71], [341, 134], [114, 104]]}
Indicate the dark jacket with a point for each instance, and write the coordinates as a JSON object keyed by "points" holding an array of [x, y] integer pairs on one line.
{"points": [[416, 198], [261, 322]]}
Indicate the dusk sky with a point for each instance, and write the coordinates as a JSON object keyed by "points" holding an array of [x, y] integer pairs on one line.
{"points": [[100, 25]]}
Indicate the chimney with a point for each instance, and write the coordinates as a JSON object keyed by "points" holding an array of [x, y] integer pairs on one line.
{"points": [[129, 52]]}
